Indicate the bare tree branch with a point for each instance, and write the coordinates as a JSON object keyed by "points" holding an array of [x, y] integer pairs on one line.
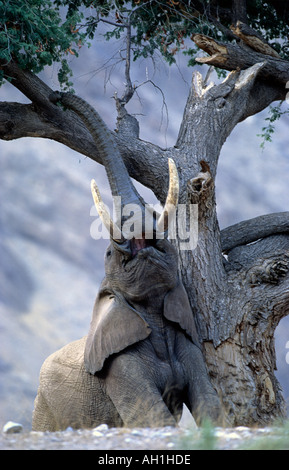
{"points": [[51, 122], [253, 39], [129, 90], [234, 57], [27, 82], [251, 230]]}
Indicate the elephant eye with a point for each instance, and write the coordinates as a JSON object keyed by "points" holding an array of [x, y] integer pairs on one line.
{"points": [[108, 253]]}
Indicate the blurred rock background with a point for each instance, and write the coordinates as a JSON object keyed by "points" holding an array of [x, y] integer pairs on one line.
{"points": [[51, 267]]}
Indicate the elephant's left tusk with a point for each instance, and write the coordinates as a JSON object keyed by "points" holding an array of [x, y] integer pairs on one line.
{"points": [[172, 197]]}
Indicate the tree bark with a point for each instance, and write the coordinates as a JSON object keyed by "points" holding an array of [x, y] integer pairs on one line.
{"points": [[239, 11], [253, 229], [237, 299], [239, 57]]}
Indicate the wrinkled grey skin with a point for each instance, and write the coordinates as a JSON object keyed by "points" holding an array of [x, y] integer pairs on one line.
{"points": [[142, 347], [141, 359]]}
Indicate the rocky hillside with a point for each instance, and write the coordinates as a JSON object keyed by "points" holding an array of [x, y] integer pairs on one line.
{"points": [[50, 265]]}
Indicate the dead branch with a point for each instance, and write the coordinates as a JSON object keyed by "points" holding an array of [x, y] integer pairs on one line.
{"points": [[251, 230], [253, 39], [236, 57]]}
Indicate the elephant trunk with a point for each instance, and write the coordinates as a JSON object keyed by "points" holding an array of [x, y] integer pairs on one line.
{"points": [[119, 179], [161, 221]]}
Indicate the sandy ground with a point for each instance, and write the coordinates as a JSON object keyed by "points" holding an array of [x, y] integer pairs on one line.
{"points": [[104, 438]]}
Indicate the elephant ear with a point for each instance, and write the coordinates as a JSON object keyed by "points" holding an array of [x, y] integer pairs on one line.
{"points": [[114, 326], [177, 309]]}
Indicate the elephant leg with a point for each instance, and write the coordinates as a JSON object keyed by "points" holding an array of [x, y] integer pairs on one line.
{"points": [[43, 418], [70, 396], [203, 400], [134, 394]]}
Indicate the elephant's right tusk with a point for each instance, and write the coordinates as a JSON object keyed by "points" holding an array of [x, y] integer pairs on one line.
{"points": [[113, 229]]}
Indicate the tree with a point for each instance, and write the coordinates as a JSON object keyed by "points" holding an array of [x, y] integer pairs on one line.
{"points": [[237, 279]]}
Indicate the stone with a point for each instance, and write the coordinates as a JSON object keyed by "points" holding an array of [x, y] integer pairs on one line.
{"points": [[12, 428], [101, 428], [97, 434]]}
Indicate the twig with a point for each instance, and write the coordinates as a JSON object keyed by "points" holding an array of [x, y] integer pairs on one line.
{"points": [[164, 105], [129, 90]]}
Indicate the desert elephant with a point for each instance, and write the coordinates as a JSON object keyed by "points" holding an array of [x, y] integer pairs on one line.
{"points": [[141, 360]]}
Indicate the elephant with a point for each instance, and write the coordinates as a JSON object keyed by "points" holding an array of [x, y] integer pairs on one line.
{"points": [[142, 359]]}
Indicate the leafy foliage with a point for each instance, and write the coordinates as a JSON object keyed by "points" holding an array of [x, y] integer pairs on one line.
{"points": [[271, 19], [166, 25], [33, 34], [275, 112], [37, 33]]}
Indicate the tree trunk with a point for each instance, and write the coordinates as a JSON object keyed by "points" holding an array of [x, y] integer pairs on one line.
{"points": [[239, 298], [238, 291]]}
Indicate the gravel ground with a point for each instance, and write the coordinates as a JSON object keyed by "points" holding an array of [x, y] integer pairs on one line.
{"points": [[104, 438]]}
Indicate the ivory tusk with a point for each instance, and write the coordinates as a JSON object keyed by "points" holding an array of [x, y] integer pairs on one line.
{"points": [[112, 228], [172, 197]]}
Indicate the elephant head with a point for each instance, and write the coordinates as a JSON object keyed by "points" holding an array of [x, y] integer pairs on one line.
{"points": [[141, 270]]}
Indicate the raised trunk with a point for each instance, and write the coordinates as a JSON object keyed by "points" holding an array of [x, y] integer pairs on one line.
{"points": [[118, 176]]}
